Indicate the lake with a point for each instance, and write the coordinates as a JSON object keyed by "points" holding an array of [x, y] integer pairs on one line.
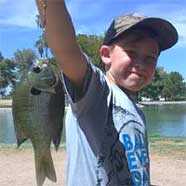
{"points": [[166, 120], [163, 120], [7, 134]]}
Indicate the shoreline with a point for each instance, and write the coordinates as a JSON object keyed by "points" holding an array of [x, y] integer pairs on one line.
{"points": [[154, 142], [161, 102], [169, 155], [7, 103]]}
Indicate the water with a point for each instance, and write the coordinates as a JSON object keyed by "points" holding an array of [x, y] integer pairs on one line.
{"points": [[7, 134], [165, 120]]}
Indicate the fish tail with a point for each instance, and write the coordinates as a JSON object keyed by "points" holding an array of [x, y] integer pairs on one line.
{"points": [[44, 168]]}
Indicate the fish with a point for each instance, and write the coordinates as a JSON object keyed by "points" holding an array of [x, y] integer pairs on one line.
{"points": [[38, 107]]}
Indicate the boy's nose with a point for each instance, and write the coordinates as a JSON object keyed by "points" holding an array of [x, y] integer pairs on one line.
{"points": [[140, 63]]}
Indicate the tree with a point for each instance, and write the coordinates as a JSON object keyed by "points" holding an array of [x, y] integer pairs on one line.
{"points": [[174, 87], [167, 85], [154, 89], [24, 58], [42, 46], [39, 46], [38, 21], [7, 76], [1, 56], [90, 44]]}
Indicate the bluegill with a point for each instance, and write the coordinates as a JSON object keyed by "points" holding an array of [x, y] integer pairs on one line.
{"points": [[38, 111]]}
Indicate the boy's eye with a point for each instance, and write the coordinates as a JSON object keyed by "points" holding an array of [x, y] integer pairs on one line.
{"points": [[151, 60], [131, 53]]}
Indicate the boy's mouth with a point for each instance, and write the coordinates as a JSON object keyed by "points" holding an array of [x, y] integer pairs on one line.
{"points": [[140, 74]]}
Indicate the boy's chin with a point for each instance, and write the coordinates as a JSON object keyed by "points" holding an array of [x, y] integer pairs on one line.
{"points": [[132, 88], [129, 90]]}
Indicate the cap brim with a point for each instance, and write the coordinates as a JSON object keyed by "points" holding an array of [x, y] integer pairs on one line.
{"points": [[166, 33]]}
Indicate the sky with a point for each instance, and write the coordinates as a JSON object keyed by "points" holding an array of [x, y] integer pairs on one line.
{"points": [[18, 28]]}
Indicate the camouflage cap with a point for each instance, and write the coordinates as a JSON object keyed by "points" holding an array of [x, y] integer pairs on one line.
{"points": [[166, 33]]}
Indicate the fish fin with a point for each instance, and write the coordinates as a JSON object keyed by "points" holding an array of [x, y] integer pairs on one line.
{"points": [[20, 141], [45, 168], [56, 142], [21, 137], [57, 112]]}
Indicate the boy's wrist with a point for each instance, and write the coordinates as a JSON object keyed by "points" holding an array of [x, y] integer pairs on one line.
{"points": [[51, 1], [42, 7], [44, 2]]}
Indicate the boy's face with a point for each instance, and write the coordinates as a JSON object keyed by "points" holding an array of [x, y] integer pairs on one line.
{"points": [[131, 65]]}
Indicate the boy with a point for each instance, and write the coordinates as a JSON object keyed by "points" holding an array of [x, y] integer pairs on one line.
{"points": [[105, 132]]}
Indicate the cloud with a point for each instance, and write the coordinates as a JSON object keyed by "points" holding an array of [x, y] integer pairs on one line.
{"points": [[87, 15], [92, 17], [179, 22], [19, 13]]}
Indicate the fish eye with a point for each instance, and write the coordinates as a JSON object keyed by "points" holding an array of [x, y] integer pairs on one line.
{"points": [[36, 69], [35, 91]]}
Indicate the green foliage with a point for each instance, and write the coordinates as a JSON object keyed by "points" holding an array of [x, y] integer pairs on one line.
{"points": [[38, 21], [1, 56], [90, 44], [174, 87], [153, 90], [166, 85], [174, 146], [24, 58], [42, 46], [7, 76]]}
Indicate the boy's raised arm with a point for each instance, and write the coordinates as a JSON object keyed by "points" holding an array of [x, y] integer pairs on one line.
{"points": [[61, 39]]}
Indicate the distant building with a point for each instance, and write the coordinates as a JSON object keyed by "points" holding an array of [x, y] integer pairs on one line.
{"points": [[145, 99]]}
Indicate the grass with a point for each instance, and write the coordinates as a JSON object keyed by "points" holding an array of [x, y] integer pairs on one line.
{"points": [[163, 146], [172, 146], [26, 145]]}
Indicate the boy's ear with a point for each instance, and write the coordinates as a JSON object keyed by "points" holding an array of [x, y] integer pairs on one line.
{"points": [[105, 55]]}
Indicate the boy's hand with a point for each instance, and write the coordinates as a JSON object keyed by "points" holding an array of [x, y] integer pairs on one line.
{"points": [[61, 38]]}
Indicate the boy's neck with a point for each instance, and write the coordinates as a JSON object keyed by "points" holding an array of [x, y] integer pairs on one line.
{"points": [[133, 95]]}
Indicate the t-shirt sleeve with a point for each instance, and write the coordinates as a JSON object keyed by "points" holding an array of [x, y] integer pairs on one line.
{"points": [[136, 149], [93, 89]]}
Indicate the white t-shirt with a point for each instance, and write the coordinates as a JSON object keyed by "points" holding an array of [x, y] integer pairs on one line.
{"points": [[105, 136]]}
